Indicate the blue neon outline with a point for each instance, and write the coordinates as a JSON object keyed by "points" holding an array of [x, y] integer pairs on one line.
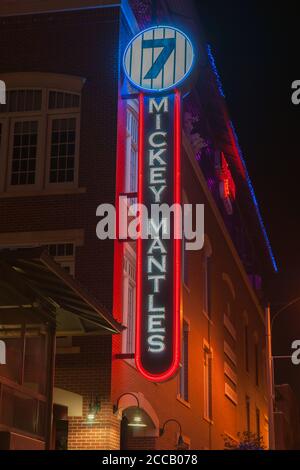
{"points": [[215, 69], [175, 85], [249, 182], [253, 196]]}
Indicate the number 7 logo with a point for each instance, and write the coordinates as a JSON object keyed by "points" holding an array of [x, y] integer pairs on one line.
{"points": [[168, 45]]}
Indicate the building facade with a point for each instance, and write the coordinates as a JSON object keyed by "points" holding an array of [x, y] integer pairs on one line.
{"points": [[69, 142]]}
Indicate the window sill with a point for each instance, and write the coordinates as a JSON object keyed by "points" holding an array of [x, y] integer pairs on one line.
{"points": [[183, 401], [208, 420], [44, 192], [130, 363], [187, 288], [207, 317]]}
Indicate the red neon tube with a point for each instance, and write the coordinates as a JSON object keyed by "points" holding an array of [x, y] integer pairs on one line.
{"points": [[177, 247]]}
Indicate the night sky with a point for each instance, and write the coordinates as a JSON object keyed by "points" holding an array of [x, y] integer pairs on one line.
{"points": [[255, 47]]}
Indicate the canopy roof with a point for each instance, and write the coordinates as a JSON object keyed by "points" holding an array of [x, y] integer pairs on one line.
{"points": [[31, 280]]}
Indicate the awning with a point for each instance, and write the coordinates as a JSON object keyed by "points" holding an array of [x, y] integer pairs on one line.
{"points": [[30, 278]]}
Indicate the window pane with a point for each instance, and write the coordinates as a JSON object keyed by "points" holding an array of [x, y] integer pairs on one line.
{"points": [[24, 152], [184, 378], [22, 101], [63, 140], [61, 100]]}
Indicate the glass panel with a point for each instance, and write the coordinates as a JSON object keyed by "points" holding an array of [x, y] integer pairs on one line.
{"points": [[12, 337], [24, 152], [61, 100], [22, 101]]}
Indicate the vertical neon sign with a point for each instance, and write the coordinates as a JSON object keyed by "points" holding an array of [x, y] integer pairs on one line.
{"points": [[156, 62]]}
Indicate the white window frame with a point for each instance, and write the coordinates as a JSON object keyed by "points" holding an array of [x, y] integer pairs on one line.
{"points": [[45, 82], [64, 184], [39, 161], [133, 109]]}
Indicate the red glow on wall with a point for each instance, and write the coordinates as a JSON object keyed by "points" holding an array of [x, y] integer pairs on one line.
{"points": [[226, 177], [139, 270]]}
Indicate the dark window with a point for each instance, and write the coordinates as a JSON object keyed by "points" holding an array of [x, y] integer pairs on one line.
{"points": [[62, 100], [256, 354], [184, 370], [246, 338], [258, 423], [22, 101], [24, 152], [63, 143], [248, 424]]}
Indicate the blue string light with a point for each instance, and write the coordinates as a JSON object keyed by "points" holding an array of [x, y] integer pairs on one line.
{"points": [[215, 70], [252, 192], [251, 189]]}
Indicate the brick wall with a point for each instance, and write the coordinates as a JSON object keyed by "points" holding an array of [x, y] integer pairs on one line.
{"points": [[84, 44], [89, 374]]}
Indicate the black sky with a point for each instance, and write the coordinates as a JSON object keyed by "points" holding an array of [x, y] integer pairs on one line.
{"points": [[255, 48]]}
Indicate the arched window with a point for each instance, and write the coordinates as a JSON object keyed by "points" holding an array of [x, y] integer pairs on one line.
{"points": [[39, 132]]}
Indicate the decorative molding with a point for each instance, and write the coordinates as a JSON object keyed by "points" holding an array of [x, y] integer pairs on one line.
{"points": [[230, 353], [229, 326], [231, 394], [70, 83], [230, 373]]}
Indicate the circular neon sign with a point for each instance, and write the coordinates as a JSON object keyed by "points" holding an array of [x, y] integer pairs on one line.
{"points": [[158, 59]]}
